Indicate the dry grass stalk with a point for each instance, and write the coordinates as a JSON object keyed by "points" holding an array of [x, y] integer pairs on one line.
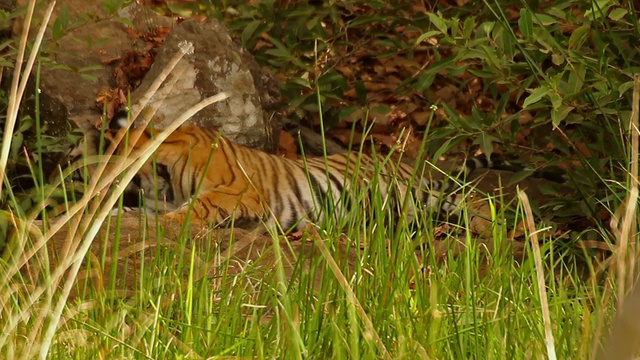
{"points": [[542, 289], [624, 336], [85, 229]]}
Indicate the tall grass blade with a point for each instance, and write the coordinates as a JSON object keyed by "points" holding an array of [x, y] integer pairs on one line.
{"points": [[19, 83], [542, 288]]}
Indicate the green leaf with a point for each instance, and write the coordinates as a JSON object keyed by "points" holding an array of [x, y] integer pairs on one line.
{"points": [[438, 22], [297, 101], [61, 23], [448, 145], [125, 21], [454, 25], [302, 81], [313, 22], [557, 12], [502, 104], [91, 68], [5, 19], [279, 46], [16, 143], [439, 65], [25, 124], [282, 53], [519, 176], [550, 189], [576, 78], [578, 37], [559, 114], [624, 87], [557, 59], [535, 96], [364, 20], [468, 26], [347, 111], [6, 44], [525, 23], [99, 42], [465, 123], [425, 81], [485, 29], [556, 99], [598, 8], [427, 35], [112, 6], [89, 77], [361, 91], [491, 57], [486, 144], [249, 30], [504, 41], [544, 20], [618, 13], [542, 37]]}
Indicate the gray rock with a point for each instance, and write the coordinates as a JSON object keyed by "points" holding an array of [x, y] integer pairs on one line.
{"points": [[76, 73], [217, 64], [71, 81]]}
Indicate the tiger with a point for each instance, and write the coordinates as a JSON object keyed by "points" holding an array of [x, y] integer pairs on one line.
{"points": [[201, 177]]}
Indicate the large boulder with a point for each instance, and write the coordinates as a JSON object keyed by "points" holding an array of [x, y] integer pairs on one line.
{"points": [[72, 80], [217, 64]]}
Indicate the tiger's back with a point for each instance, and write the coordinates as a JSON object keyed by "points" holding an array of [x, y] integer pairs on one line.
{"points": [[230, 181]]}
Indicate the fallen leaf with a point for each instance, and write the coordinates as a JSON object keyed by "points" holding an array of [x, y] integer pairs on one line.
{"points": [[287, 145], [421, 118]]}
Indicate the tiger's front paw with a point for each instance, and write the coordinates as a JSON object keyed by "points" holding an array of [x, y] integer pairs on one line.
{"points": [[174, 217], [182, 216]]}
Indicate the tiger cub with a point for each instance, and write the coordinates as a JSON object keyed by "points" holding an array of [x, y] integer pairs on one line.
{"points": [[220, 180]]}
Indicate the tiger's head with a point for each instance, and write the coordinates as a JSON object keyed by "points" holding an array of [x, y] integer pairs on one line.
{"points": [[151, 187]]}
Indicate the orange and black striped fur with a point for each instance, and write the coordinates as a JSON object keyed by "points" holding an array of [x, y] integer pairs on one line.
{"points": [[237, 182]]}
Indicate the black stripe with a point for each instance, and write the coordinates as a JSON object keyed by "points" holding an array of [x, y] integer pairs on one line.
{"points": [[229, 160], [183, 171], [317, 192]]}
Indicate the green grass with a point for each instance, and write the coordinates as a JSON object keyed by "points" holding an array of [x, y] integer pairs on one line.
{"points": [[413, 304], [365, 290]]}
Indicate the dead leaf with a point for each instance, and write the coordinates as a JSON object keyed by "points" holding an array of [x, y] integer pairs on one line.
{"points": [[421, 118], [445, 93], [525, 118], [287, 145], [582, 149], [344, 136]]}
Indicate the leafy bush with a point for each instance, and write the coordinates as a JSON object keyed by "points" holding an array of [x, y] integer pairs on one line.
{"points": [[549, 82]]}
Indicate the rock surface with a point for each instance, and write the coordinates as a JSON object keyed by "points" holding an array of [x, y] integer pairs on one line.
{"points": [[217, 64], [71, 81]]}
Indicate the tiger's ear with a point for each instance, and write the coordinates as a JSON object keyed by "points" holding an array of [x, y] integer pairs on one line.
{"points": [[119, 120]]}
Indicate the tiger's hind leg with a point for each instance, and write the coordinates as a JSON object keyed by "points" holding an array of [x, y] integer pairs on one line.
{"points": [[450, 199], [482, 219]]}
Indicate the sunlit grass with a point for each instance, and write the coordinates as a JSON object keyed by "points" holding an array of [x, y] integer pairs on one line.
{"points": [[366, 292]]}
